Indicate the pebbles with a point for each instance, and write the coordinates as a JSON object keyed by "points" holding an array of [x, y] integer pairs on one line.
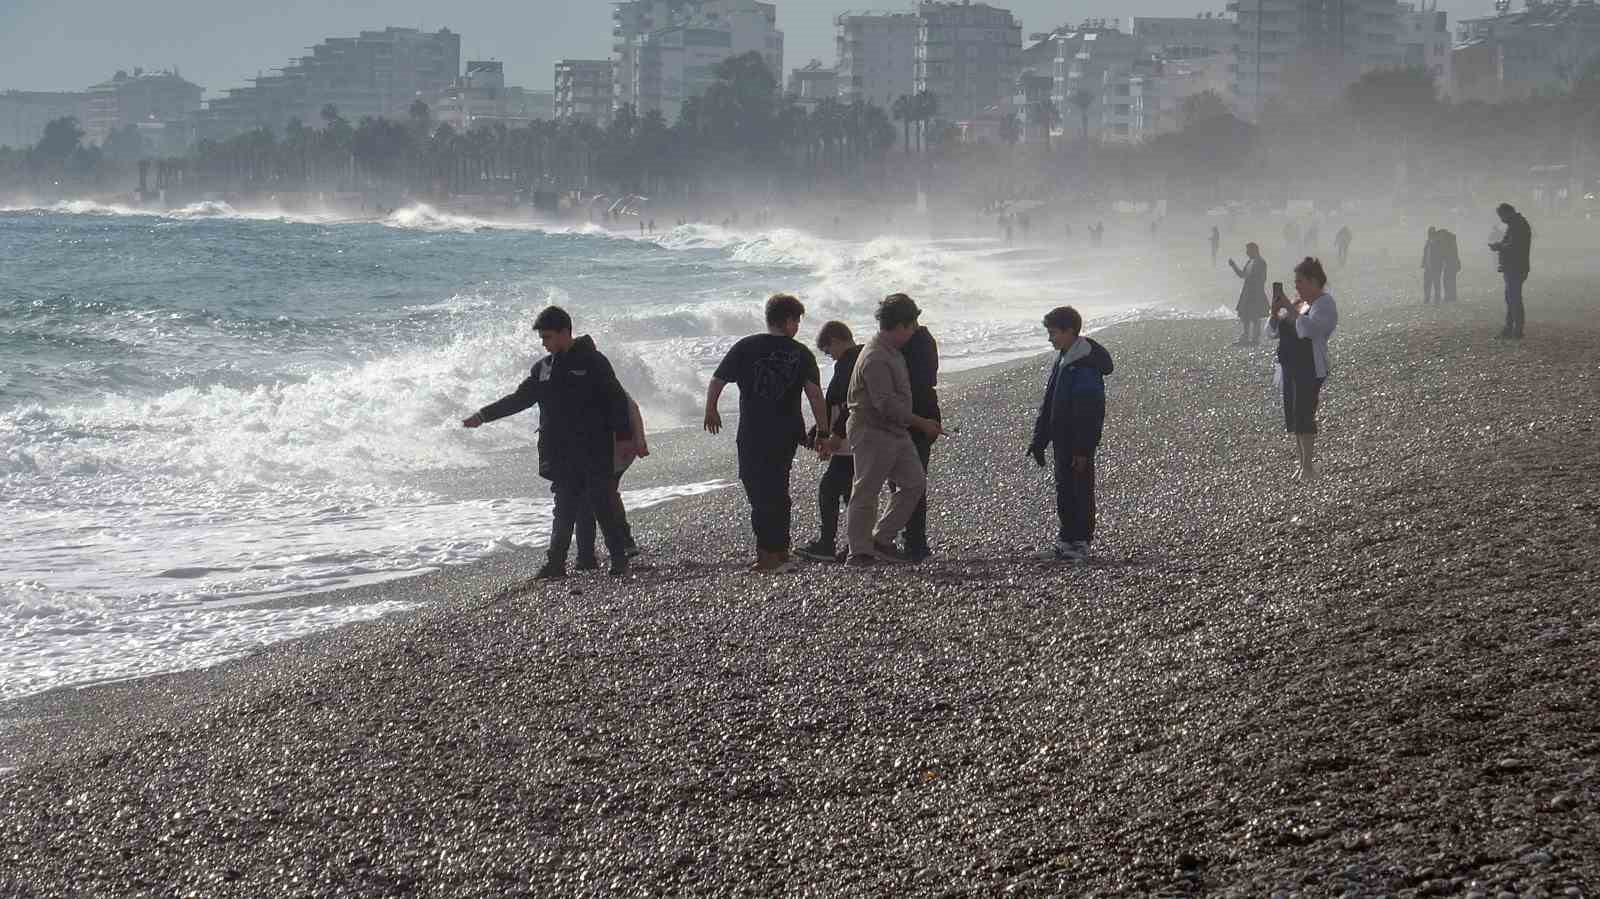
{"points": [[1382, 684]]}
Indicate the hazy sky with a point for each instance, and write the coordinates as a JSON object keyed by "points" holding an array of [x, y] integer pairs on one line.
{"points": [[71, 44]]}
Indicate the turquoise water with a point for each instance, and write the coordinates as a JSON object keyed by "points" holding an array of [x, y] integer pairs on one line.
{"points": [[204, 408]]}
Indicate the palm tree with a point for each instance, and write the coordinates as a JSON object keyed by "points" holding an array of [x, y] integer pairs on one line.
{"points": [[904, 110], [1082, 100], [926, 107]]}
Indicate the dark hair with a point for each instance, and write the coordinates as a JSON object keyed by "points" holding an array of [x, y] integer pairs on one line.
{"points": [[831, 332], [783, 308], [1504, 208], [1310, 268], [896, 309], [1064, 318], [553, 318]]}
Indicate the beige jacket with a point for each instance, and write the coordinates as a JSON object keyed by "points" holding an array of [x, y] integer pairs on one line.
{"points": [[880, 390]]}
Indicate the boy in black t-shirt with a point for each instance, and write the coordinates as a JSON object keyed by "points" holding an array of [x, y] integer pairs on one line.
{"points": [[772, 370]]}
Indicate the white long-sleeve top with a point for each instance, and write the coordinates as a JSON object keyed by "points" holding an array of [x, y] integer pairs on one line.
{"points": [[1319, 324]]}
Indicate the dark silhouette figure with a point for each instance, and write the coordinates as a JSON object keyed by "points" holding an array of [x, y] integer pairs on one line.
{"points": [[1342, 242], [1252, 305], [1432, 269], [1449, 253], [1216, 241], [1515, 250]]}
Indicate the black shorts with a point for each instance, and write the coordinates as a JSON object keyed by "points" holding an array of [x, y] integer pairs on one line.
{"points": [[1300, 399]]}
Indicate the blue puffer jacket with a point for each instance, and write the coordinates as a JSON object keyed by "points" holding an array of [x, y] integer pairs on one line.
{"points": [[1073, 413]]}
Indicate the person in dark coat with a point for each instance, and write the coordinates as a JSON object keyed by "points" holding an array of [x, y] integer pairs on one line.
{"points": [[1341, 242], [1252, 305], [922, 363], [836, 341], [1432, 270], [1449, 264], [1515, 250], [1216, 242], [1071, 419], [583, 421]]}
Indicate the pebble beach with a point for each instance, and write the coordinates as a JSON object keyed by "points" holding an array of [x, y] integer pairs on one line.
{"points": [[1381, 683]]}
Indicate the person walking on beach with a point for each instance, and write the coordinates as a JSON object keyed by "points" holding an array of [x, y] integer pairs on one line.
{"points": [[1303, 328], [772, 370], [1432, 269], [881, 417], [1341, 242], [1449, 264], [1216, 242], [1515, 249], [836, 341], [1072, 419], [1252, 305], [922, 365], [626, 453], [583, 424]]}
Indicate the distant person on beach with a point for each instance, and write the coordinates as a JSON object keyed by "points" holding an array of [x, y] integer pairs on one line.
{"points": [[583, 424], [836, 341], [626, 453], [1313, 238], [1449, 264], [772, 371], [1432, 269], [881, 419], [922, 364], [1252, 305], [1303, 327], [1515, 250], [1071, 419], [1341, 242], [1216, 242]]}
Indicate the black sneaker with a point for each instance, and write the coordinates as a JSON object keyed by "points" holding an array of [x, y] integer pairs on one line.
{"points": [[632, 550], [551, 572], [619, 566], [888, 552], [918, 554], [817, 551], [587, 565]]}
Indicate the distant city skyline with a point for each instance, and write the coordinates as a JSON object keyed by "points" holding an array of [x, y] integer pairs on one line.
{"points": [[218, 44]]}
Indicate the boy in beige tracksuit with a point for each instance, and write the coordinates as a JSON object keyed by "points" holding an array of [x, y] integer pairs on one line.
{"points": [[880, 416]]}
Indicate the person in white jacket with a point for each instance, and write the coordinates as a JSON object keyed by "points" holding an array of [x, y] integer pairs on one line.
{"points": [[1303, 328]]}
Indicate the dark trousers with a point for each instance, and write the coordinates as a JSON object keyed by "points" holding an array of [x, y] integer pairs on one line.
{"points": [[1301, 396], [833, 492], [1074, 499], [586, 522], [916, 532], [764, 471], [1431, 289], [575, 495], [1514, 315], [1449, 286]]}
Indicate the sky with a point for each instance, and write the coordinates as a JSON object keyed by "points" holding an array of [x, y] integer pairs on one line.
{"points": [[71, 44]]}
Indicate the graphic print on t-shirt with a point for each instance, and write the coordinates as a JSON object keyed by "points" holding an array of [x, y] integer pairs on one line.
{"points": [[775, 375]]}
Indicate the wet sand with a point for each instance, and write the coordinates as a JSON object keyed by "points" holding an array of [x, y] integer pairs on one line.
{"points": [[1379, 684]]}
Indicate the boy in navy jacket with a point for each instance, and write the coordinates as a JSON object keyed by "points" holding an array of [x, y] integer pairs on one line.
{"points": [[1071, 419]]}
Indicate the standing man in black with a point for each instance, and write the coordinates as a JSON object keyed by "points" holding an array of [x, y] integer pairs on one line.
{"points": [[922, 363], [840, 345], [1449, 264], [772, 370], [1516, 251], [583, 422], [1432, 269]]}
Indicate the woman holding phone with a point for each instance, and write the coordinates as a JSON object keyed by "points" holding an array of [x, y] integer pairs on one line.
{"points": [[1303, 327]]}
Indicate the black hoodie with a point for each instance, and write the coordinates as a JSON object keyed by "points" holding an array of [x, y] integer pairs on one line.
{"points": [[1073, 413], [582, 411]]}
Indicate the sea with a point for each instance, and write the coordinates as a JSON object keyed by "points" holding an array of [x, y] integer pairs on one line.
{"points": [[206, 411]]}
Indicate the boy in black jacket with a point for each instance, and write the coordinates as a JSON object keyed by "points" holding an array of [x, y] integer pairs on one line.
{"points": [[1071, 418], [583, 423], [840, 345]]}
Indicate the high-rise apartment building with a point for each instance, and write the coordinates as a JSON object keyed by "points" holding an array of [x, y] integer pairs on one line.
{"points": [[1190, 37], [1088, 62], [813, 84], [967, 55], [666, 51], [143, 99], [377, 73], [1310, 48], [583, 90], [1512, 55], [1426, 40], [876, 55], [480, 98]]}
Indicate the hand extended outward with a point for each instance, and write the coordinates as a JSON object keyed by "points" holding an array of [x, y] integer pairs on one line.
{"points": [[472, 421]]}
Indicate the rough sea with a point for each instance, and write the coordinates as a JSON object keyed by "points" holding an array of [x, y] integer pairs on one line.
{"points": [[204, 409]]}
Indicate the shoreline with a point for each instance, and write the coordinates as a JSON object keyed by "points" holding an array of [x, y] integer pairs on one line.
{"points": [[1207, 708]]}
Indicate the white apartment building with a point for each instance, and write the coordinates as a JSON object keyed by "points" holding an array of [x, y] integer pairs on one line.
{"points": [[583, 90], [1157, 94], [1425, 37], [1310, 47], [1088, 60], [967, 55], [667, 51], [1184, 37], [876, 53], [480, 99]]}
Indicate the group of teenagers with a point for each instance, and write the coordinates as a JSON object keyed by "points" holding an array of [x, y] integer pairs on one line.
{"points": [[875, 426]]}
